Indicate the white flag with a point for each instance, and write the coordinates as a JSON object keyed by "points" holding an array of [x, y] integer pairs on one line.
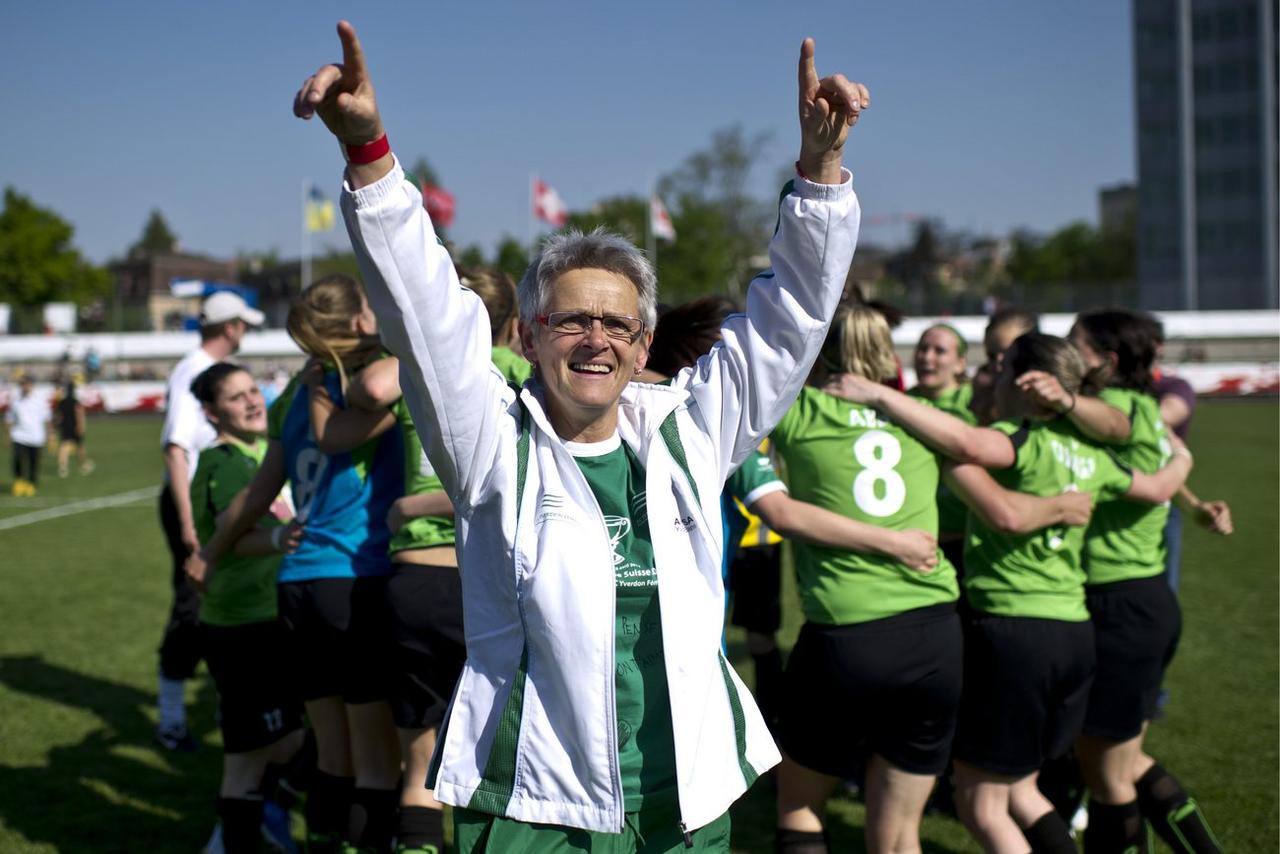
{"points": [[547, 204], [660, 224]]}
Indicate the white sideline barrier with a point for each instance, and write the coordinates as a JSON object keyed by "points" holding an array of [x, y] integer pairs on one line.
{"points": [[1221, 380], [276, 342]]}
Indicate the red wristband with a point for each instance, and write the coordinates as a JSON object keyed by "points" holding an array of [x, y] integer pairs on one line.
{"points": [[367, 153]]}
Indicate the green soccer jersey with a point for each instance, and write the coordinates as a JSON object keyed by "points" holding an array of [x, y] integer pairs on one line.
{"points": [[646, 748], [849, 459], [1039, 574], [1125, 539], [512, 365], [952, 512], [242, 589], [424, 532]]}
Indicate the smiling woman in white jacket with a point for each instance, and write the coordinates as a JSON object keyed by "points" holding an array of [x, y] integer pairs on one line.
{"points": [[543, 727]]}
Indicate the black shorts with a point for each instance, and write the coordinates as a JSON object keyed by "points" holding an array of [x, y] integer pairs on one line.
{"points": [[1026, 686], [1136, 625], [755, 579], [337, 637], [424, 604], [258, 702], [889, 687]]}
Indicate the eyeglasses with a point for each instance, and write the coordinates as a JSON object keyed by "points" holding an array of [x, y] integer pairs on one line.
{"points": [[616, 326]]}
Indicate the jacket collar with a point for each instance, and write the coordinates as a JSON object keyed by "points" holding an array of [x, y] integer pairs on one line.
{"points": [[641, 410]]}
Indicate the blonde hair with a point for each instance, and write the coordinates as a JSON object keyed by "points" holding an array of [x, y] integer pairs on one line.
{"points": [[859, 343], [498, 293], [320, 323]]}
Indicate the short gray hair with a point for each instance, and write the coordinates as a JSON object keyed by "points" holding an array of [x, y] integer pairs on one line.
{"points": [[573, 250]]}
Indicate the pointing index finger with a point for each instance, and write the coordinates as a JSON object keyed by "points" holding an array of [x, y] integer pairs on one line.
{"points": [[808, 73], [352, 53]]}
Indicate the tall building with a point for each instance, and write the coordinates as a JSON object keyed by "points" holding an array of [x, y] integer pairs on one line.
{"points": [[1208, 235]]}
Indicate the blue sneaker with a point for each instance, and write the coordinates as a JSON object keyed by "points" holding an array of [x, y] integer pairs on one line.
{"points": [[277, 829]]}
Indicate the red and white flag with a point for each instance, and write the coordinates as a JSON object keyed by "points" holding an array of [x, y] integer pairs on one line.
{"points": [[660, 224], [440, 204], [547, 204]]}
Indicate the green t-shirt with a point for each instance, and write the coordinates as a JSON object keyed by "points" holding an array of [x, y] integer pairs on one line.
{"points": [[1039, 574], [1125, 539], [512, 365], [420, 478], [242, 589], [849, 459], [952, 512], [646, 748]]}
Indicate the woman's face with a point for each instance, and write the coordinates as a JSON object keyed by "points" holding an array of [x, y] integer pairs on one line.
{"points": [[938, 362], [585, 372], [239, 409]]}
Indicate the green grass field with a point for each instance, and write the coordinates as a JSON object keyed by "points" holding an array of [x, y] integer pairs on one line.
{"points": [[83, 599]]}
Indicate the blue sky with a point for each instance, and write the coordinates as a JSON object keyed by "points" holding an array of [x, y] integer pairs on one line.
{"points": [[991, 115]]}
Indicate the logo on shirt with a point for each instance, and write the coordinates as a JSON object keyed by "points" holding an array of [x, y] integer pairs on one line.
{"points": [[618, 527], [552, 506], [1082, 465], [685, 524]]}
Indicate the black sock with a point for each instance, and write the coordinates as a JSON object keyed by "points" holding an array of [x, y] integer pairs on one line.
{"points": [[799, 842], [1049, 835], [328, 805], [419, 827], [241, 825], [1061, 783], [1115, 829], [372, 820], [768, 684], [1174, 814]]}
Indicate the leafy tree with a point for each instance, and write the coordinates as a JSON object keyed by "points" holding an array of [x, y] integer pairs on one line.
{"points": [[715, 216], [471, 256], [157, 238], [512, 258], [37, 261]]}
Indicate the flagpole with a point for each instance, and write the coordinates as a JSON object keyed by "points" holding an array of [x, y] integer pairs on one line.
{"points": [[651, 240], [529, 213], [306, 241]]}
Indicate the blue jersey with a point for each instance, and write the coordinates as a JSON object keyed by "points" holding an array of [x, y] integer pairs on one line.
{"points": [[341, 499]]}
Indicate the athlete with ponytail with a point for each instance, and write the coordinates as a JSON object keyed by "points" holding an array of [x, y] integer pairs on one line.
{"points": [[332, 587], [424, 593], [1135, 613]]}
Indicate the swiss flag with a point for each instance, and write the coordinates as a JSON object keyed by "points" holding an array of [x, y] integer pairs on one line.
{"points": [[547, 204], [440, 204], [660, 224]]}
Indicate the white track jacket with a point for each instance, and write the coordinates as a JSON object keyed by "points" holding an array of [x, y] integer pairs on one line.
{"points": [[530, 733]]}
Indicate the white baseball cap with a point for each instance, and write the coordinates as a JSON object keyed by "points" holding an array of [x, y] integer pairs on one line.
{"points": [[221, 306]]}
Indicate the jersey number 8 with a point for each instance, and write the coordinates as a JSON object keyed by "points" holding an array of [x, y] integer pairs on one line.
{"points": [[878, 490]]}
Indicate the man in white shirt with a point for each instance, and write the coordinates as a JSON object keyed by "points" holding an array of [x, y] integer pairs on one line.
{"points": [[27, 417], [224, 319]]}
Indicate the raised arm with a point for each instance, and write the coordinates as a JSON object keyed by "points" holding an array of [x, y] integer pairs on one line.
{"points": [[1012, 512], [439, 331], [1092, 416], [917, 550], [941, 431], [338, 429], [745, 384]]}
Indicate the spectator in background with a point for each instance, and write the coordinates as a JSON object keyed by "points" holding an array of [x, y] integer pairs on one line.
{"points": [[27, 418], [70, 414], [92, 364], [224, 319]]}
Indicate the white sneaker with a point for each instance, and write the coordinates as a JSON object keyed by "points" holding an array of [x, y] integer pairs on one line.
{"points": [[214, 845]]}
